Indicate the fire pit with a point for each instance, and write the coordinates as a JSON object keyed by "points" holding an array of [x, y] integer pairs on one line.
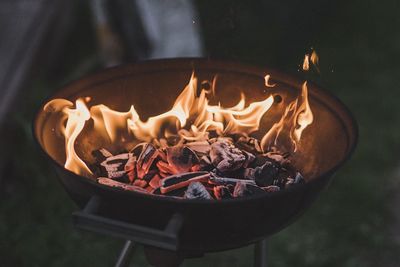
{"points": [[328, 137]]}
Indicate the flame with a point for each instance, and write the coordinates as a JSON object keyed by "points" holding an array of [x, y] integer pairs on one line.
{"points": [[267, 84], [314, 58], [304, 116], [75, 122], [191, 118], [306, 62], [296, 117]]}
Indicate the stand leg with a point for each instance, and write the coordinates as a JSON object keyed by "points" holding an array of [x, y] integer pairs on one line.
{"points": [[125, 255], [260, 254]]}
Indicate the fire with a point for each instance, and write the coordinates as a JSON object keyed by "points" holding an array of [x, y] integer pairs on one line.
{"points": [[191, 118], [76, 119], [314, 60], [306, 62], [267, 84]]}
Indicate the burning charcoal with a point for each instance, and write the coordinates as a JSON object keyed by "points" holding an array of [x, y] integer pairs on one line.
{"points": [[155, 181], [181, 158], [140, 183], [271, 188], [197, 191], [115, 165], [226, 157], [130, 168], [162, 153], [244, 189], [146, 159], [182, 180], [137, 150], [196, 168], [164, 167], [149, 189], [299, 179], [265, 175], [150, 174], [222, 192], [112, 183], [200, 147], [214, 179]]}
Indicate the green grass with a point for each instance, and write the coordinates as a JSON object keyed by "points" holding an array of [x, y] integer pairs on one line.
{"points": [[349, 225]]}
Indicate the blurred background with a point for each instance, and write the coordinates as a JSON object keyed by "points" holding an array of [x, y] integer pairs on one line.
{"points": [[45, 44]]}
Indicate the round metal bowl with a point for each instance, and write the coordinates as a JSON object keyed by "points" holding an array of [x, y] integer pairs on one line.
{"points": [[208, 225]]}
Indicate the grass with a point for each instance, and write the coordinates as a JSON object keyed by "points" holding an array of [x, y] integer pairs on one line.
{"points": [[349, 225]]}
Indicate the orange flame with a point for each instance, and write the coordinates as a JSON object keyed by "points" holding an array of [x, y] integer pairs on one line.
{"points": [[267, 84], [188, 107], [306, 62], [76, 119], [304, 116]]}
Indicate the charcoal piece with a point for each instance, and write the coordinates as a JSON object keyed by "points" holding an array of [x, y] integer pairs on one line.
{"points": [[101, 154], [271, 188], [278, 157], [112, 183], [244, 190], [140, 183], [182, 180], [265, 175], [217, 180], [150, 174], [222, 192], [162, 153], [226, 157], [137, 150], [149, 189], [145, 160], [115, 165], [249, 159], [164, 167], [299, 179], [181, 158], [155, 181], [196, 168], [130, 168], [289, 182], [196, 190]]}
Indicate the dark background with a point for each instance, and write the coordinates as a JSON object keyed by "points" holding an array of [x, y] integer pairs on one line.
{"points": [[354, 222]]}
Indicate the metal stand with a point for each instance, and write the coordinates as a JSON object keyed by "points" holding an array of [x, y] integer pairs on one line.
{"points": [[260, 253], [125, 254], [162, 245]]}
